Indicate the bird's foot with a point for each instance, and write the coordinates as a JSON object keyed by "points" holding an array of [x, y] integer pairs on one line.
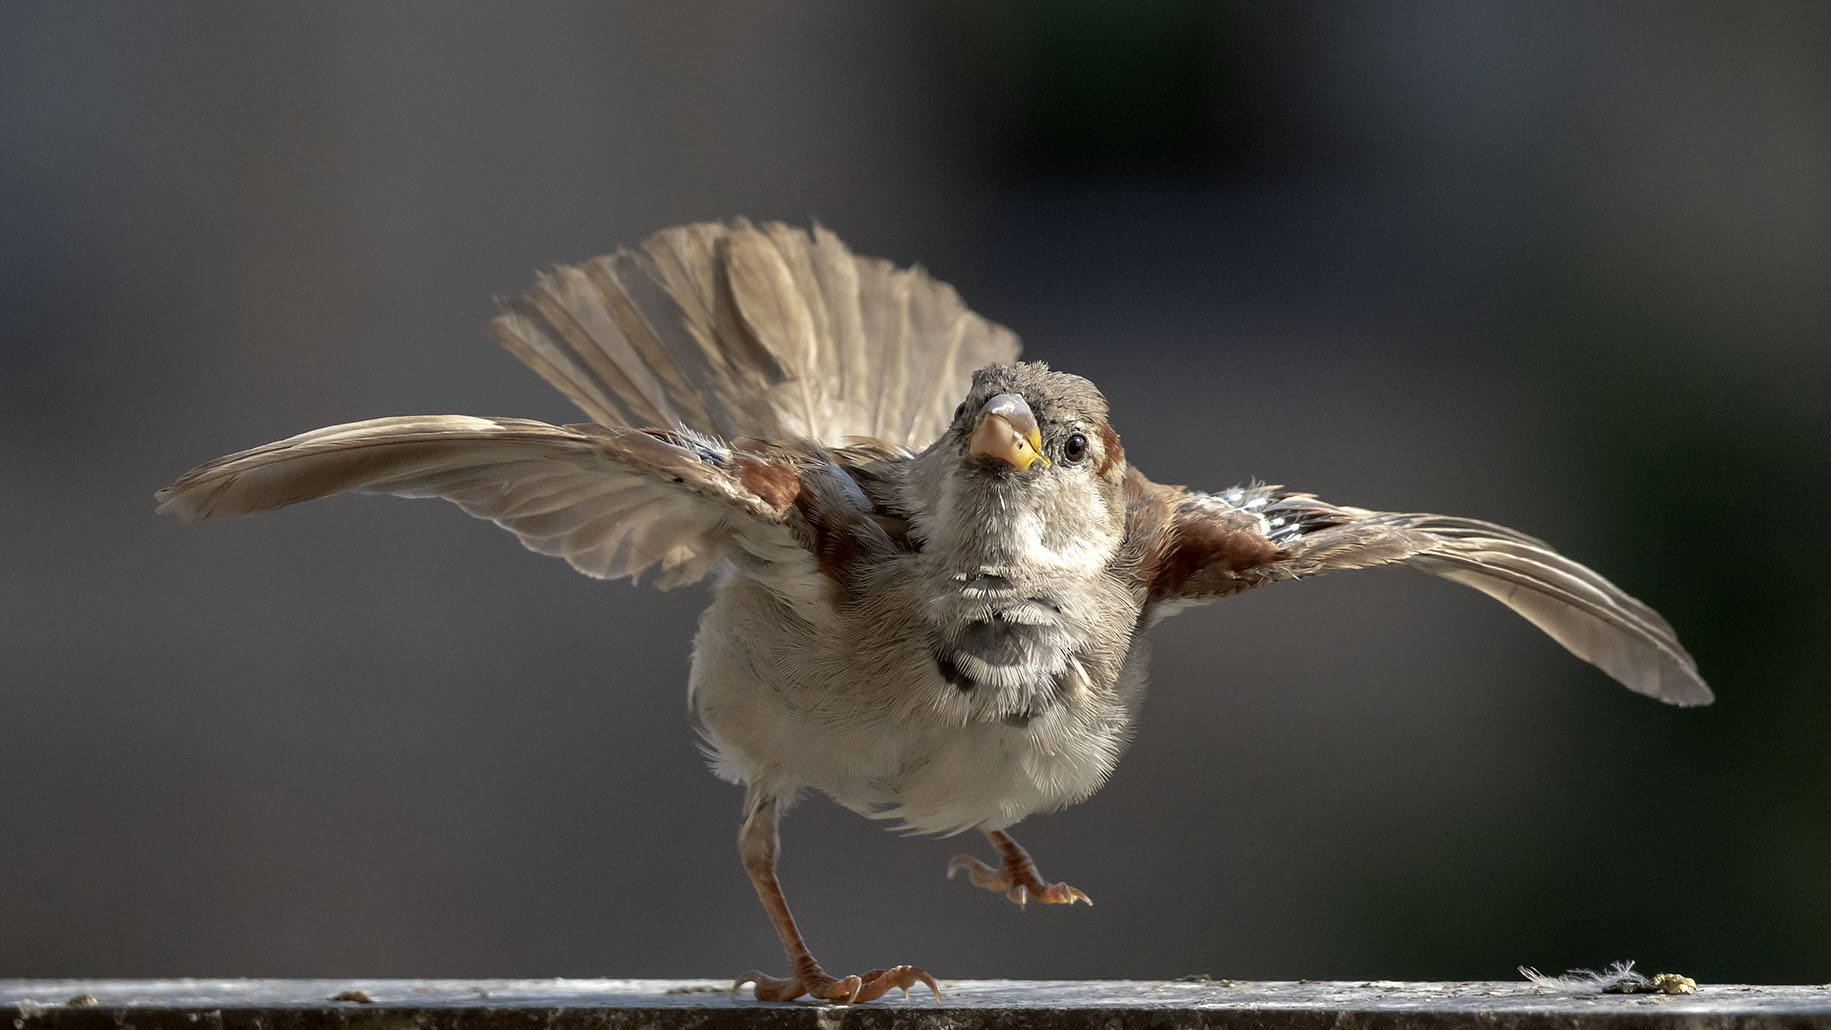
{"points": [[815, 983], [1018, 879]]}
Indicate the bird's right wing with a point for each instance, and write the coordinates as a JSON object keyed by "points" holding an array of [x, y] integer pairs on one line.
{"points": [[741, 330], [612, 501], [1196, 547]]}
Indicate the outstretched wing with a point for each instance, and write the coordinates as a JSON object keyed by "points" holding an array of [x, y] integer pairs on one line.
{"points": [[1195, 547], [745, 331], [612, 501]]}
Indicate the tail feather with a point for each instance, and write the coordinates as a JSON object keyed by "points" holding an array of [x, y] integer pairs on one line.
{"points": [[837, 273], [741, 331]]}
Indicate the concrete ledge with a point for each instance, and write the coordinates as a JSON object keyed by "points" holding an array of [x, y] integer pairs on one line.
{"points": [[1007, 1004]]}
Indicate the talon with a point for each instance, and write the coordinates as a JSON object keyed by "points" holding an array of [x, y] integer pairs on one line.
{"points": [[901, 978], [848, 990], [978, 872], [845, 990], [1017, 878]]}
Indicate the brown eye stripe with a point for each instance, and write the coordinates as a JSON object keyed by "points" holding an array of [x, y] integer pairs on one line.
{"points": [[1111, 453]]}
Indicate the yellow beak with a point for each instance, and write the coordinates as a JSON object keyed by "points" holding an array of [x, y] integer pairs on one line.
{"points": [[1006, 430]]}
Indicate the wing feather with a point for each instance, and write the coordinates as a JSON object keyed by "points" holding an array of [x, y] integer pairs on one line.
{"points": [[1201, 546], [612, 501]]}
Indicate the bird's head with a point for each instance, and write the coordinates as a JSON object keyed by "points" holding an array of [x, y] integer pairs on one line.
{"points": [[1029, 472]]}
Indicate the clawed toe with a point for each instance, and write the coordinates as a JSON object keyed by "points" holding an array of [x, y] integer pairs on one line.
{"points": [[1019, 891], [770, 988], [880, 981], [1018, 880], [982, 875], [847, 990], [1059, 894]]}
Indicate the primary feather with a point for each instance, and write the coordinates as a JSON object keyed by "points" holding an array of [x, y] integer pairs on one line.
{"points": [[612, 501], [1576, 606]]}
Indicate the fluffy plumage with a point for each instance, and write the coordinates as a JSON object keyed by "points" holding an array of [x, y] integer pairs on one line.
{"points": [[951, 639]]}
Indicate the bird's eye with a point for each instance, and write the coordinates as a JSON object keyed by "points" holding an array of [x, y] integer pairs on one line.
{"points": [[959, 411], [1075, 449]]}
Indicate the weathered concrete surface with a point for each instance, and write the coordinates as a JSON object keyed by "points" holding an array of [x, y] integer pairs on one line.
{"points": [[1005, 1004]]}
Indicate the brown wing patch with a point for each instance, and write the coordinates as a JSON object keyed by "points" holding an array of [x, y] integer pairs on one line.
{"points": [[778, 486], [1189, 550], [835, 524], [1205, 555], [842, 536]]}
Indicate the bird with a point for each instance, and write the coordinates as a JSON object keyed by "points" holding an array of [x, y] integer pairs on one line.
{"points": [[932, 566]]}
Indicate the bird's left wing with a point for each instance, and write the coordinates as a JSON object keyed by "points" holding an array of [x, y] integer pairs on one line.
{"points": [[1193, 547], [613, 501]]}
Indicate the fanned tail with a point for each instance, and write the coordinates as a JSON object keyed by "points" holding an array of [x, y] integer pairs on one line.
{"points": [[744, 331]]}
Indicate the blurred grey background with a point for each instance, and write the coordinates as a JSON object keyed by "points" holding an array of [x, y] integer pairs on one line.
{"points": [[1564, 266]]}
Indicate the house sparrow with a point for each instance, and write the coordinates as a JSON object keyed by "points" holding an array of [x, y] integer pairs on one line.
{"points": [[933, 565]]}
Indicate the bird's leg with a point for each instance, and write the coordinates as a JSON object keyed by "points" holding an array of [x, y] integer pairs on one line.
{"points": [[758, 843], [1016, 876]]}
